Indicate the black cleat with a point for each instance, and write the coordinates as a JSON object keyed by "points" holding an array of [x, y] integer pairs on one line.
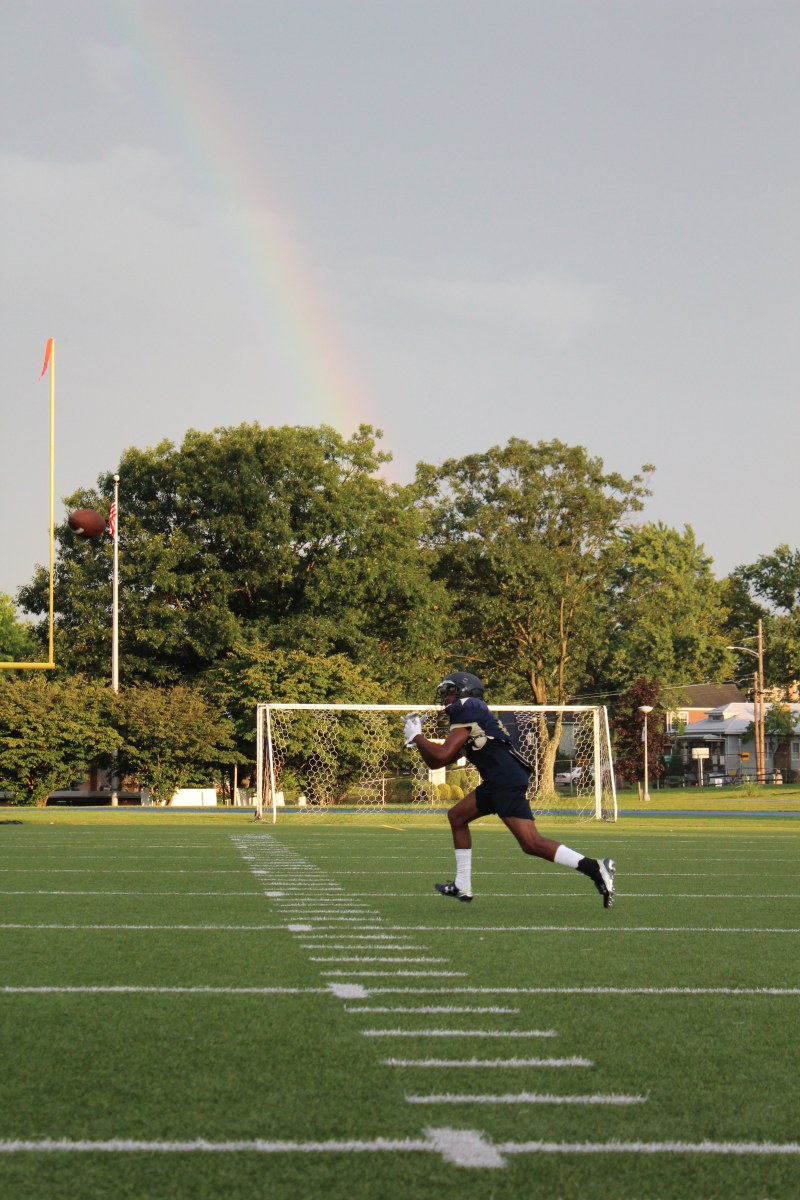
{"points": [[450, 889], [605, 881]]}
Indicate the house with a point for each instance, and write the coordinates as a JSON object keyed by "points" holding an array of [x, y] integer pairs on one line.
{"points": [[723, 732], [697, 699]]}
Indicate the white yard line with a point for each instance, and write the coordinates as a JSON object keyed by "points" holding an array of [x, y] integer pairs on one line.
{"points": [[610, 1100], [465, 1148], [585, 991], [430, 1009], [134, 989], [253, 894], [488, 1062], [460, 1033], [388, 933], [374, 959], [594, 929]]}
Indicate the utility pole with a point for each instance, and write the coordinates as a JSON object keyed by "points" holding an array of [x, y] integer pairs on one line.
{"points": [[758, 704]]}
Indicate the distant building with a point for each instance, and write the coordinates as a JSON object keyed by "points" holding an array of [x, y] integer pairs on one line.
{"points": [[699, 699], [723, 731]]}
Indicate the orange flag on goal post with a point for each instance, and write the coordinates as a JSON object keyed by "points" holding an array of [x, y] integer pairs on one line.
{"points": [[47, 352]]}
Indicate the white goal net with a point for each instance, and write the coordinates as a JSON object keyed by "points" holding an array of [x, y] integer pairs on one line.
{"points": [[344, 758]]}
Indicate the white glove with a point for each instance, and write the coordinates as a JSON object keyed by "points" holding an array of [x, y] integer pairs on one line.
{"points": [[411, 727]]}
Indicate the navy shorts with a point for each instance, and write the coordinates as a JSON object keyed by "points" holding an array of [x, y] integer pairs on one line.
{"points": [[503, 801]]}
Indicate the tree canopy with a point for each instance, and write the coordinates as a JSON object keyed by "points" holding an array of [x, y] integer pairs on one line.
{"points": [[279, 563], [287, 535], [767, 590], [525, 540], [51, 731], [171, 738], [669, 615], [17, 641]]}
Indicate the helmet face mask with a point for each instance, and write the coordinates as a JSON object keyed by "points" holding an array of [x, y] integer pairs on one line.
{"points": [[463, 683]]}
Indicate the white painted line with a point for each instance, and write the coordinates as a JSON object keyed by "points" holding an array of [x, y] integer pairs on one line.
{"points": [[402, 974], [461, 1033], [348, 991], [323, 919], [341, 946], [200, 1145], [583, 895], [585, 991], [594, 929], [363, 937], [615, 1147], [253, 894], [168, 870], [325, 906], [464, 1148], [374, 959], [430, 1009], [460, 1147], [147, 928], [164, 991], [488, 1062], [529, 1098]]}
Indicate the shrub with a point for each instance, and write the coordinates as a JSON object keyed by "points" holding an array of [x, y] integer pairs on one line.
{"points": [[458, 778]]}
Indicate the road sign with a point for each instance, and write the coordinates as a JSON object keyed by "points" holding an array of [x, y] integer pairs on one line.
{"points": [[700, 752]]}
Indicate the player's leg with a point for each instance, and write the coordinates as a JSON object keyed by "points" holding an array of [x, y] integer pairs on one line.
{"points": [[460, 816], [601, 872]]}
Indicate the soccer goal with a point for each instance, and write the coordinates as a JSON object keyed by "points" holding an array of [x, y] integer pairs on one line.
{"points": [[340, 758]]}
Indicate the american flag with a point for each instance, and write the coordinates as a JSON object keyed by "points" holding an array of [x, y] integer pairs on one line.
{"points": [[112, 520]]}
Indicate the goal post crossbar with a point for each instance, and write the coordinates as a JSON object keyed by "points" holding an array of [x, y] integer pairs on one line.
{"points": [[533, 708], [340, 757]]}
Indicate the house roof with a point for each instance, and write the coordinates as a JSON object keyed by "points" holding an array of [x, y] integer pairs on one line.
{"points": [[726, 719], [707, 695]]}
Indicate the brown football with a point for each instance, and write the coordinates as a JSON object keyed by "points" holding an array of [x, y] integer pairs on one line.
{"points": [[87, 523]]}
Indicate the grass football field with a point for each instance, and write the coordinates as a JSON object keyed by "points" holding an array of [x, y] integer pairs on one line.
{"points": [[202, 1006]]}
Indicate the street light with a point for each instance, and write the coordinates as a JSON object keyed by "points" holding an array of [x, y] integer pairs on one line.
{"points": [[758, 703], [645, 708]]}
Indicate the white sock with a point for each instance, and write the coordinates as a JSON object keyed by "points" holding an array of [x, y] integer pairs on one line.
{"points": [[463, 880], [567, 858]]}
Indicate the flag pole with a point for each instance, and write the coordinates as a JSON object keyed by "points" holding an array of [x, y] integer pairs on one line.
{"points": [[52, 348], [115, 619], [115, 593]]}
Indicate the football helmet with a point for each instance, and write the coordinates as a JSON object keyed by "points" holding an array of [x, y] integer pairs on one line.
{"points": [[462, 683]]}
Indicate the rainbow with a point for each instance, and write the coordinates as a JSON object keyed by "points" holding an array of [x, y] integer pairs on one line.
{"points": [[214, 140]]}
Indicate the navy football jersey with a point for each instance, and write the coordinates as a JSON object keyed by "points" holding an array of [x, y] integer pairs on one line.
{"points": [[487, 746]]}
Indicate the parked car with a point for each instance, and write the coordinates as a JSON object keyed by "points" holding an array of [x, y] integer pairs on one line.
{"points": [[565, 778]]}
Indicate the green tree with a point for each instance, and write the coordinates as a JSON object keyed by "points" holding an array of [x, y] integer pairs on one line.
{"points": [[780, 726], [171, 738], [258, 673], [668, 610], [51, 731], [774, 578], [627, 726], [284, 533], [767, 590], [526, 540], [17, 640]]}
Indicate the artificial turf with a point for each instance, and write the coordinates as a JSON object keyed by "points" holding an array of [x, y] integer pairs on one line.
{"points": [[174, 977]]}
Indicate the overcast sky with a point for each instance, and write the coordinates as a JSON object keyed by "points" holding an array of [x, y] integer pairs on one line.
{"points": [[456, 220]]}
